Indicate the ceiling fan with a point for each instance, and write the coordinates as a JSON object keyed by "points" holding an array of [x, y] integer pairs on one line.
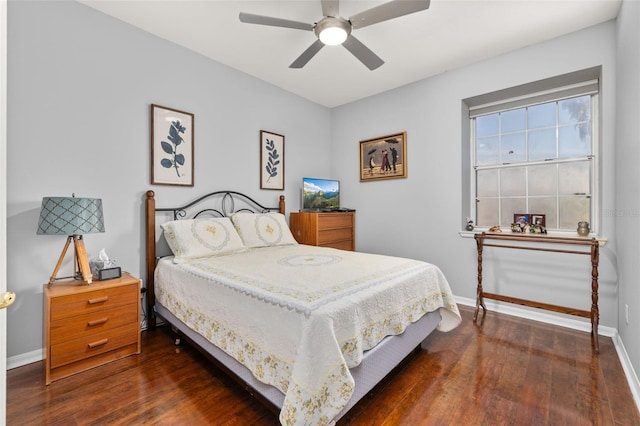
{"points": [[333, 29]]}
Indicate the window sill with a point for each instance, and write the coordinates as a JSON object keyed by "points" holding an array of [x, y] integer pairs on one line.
{"points": [[560, 234]]}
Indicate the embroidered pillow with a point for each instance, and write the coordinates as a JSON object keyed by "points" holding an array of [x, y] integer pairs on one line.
{"points": [[201, 237], [265, 229]]}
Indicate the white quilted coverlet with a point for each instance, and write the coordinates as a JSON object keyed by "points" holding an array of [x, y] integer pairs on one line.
{"points": [[299, 316]]}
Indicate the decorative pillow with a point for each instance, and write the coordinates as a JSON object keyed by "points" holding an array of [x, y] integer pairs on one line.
{"points": [[263, 229], [201, 237]]}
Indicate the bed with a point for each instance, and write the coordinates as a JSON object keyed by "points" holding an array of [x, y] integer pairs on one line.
{"points": [[308, 330]]}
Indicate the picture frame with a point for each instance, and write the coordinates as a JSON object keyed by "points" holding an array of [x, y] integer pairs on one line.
{"points": [[271, 160], [522, 218], [172, 149], [539, 220], [384, 157]]}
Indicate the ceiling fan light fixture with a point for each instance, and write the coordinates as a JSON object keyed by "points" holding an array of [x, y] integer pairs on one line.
{"points": [[333, 36], [332, 31]]}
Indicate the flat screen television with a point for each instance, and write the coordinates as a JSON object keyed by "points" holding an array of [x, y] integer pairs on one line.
{"points": [[320, 194]]}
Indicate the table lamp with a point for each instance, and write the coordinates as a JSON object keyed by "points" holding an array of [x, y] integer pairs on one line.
{"points": [[73, 217]]}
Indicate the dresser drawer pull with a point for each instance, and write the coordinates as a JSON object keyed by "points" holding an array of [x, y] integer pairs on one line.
{"points": [[98, 343], [98, 300], [97, 322]]}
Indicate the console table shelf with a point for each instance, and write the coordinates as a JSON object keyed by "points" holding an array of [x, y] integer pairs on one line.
{"points": [[583, 246]]}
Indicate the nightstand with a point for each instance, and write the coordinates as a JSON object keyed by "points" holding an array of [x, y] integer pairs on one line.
{"points": [[89, 325]]}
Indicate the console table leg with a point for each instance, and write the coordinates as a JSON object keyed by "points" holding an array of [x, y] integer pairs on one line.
{"points": [[595, 312], [479, 298]]}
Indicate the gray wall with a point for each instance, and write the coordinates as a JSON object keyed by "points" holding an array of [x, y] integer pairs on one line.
{"points": [[627, 207], [421, 216], [80, 86]]}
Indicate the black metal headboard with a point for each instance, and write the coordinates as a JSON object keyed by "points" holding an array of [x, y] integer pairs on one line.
{"points": [[225, 203]]}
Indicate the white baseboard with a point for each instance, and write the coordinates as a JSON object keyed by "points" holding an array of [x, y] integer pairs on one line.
{"points": [[575, 324], [24, 359], [629, 372]]}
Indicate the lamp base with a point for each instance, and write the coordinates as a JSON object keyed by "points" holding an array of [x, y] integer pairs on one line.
{"points": [[81, 261]]}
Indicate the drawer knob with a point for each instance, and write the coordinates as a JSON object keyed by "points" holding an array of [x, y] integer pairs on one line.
{"points": [[97, 322], [98, 343], [98, 300]]}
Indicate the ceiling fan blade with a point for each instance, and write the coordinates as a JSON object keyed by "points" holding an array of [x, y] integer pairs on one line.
{"points": [[330, 8], [387, 11], [250, 18], [363, 53], [306, 56]]}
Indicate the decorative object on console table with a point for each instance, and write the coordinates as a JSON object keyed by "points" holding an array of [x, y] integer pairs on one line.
{"points": [[335, 229], [583, 229], [73, 217], [384, 157], [87, 326], [172, 153], [539, 220], [271, 160]]}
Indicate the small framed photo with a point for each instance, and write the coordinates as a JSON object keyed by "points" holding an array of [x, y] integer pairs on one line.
{"points": [[271, 160], [539, 220], [383, 158], [522, 219], [171, 146]]}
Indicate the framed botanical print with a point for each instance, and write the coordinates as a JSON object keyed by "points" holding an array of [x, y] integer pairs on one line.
{"points": [[271, 160], [172, 154]]}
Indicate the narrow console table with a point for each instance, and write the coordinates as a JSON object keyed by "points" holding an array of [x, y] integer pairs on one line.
{"points": [[585, 246]]}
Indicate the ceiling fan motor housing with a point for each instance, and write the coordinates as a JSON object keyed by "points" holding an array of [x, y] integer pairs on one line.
{"points": [[330, 24]]}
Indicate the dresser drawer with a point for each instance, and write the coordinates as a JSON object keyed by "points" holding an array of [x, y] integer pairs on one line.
{"points": [[93, 344], [335, 220], [90, 323], [98, 300], [342, 245], [331, 235]]}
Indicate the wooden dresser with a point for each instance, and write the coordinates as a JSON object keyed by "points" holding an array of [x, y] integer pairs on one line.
{"points": [[334, 229], [89, 325]]}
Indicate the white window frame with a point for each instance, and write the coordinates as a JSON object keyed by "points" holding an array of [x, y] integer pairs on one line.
{"points": [[585, 82]]}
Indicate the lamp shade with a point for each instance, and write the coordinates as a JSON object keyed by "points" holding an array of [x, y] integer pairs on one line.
{"points": [[70, 216]]}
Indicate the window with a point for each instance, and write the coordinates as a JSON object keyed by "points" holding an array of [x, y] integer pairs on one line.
{"points": [[536, 154]]}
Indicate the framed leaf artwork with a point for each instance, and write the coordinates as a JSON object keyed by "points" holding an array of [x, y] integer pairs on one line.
{"points": [[171, 146], [271, 160]]}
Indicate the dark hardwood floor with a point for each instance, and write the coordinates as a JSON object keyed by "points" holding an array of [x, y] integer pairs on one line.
{"points": [[503, 371]]}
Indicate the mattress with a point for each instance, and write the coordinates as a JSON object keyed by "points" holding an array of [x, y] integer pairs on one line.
{"points": [[300, 317]]}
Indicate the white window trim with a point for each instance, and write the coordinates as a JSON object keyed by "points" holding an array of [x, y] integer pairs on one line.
{"points": [[525, 96]]}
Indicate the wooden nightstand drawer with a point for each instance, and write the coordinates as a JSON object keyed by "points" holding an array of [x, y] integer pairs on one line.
{"points": [[100, 299], [93, 344], [87, 324]]}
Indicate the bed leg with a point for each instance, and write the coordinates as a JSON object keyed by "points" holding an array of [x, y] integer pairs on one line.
{"points": [[177, 340]]}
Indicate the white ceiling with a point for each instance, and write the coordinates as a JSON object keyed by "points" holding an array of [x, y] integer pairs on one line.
{"points": [[448, 35]]}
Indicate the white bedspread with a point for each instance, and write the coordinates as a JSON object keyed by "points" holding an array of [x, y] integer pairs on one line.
{"points": [[300, 316]]}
